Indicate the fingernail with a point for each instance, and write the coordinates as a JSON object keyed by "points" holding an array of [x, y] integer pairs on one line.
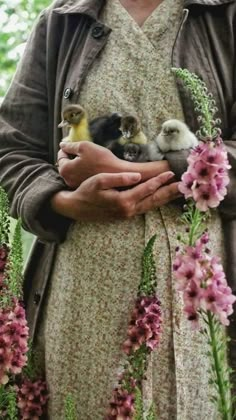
{"points": [[62, 143], [170, 175]]}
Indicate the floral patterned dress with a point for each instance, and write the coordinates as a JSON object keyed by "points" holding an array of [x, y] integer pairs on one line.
{"points": [[98, 267]]}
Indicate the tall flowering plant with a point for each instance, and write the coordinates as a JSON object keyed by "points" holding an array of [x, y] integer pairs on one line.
{"points": [[143, 336], [22, 395], [200, 276]]}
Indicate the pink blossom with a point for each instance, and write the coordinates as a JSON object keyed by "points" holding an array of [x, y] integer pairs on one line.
{"points": [[201, 171], [203, 283], [13, 340], [192, 316], [185, 187], [32, 398], [121, 405], [144, 326], [206, 196], [193, 294], [207, 176], [187, 268]]}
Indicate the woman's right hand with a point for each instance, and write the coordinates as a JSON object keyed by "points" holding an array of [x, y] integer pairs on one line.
{"points": [[91, 159], [97, 198]]}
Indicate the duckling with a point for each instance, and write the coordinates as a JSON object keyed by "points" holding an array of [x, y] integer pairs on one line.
{"points": [[75, 117], [131, 130], [105, 129], [175, 135], [114, 131], [142, 152]]}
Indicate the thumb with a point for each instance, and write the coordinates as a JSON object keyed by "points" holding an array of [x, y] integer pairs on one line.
{"points": [[75, 147]]}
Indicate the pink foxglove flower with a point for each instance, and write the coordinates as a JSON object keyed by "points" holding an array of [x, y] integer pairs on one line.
{"points": [[13, 341], [207, 176], [32, 398], [202, 280], [145, 325], [121, 405]]}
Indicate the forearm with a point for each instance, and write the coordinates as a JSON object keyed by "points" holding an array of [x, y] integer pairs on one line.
{"points": [[25, 171]]}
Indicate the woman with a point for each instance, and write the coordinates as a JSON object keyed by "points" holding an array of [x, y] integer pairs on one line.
{"points": [[113, 56]]}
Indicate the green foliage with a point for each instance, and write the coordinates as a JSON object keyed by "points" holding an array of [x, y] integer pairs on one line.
{"points": [[15, 267], [138, 406], [4, 217], [8, 403], [70, 410], [32, 370], [135, 368], [204, 104], [16, 20], [220, 372], [148, 283], [151, 413], [195, 220]]}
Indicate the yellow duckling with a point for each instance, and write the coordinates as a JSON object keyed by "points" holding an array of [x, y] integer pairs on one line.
{"points": [[75, 117], [131, 131]]}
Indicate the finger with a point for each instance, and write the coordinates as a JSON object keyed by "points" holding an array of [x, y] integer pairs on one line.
{"points": [[111, 181], [149, 187], [61, 155], [162, 196], [71, 148], [148, 169], [78, 147]]}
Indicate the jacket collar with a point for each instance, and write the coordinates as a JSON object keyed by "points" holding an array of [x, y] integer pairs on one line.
{"points": [[93, 7]]}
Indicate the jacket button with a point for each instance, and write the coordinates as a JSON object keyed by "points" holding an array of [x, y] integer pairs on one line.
{"points": [[67, 93], [98, 31], [37, 297]]}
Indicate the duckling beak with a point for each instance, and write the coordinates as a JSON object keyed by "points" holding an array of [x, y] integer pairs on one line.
{"points": [[63, 123]]}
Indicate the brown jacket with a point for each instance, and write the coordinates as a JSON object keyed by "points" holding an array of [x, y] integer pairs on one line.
{"points": [[65, 42]]}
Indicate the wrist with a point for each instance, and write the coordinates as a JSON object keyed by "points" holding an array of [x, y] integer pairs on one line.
{"points": [[61, 203]]}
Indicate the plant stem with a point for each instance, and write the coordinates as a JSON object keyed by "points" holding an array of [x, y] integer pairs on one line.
{"points": [[225, 410], [194, 226]]}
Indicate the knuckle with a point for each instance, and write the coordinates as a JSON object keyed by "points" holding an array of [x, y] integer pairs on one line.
{"points": [[126, 209], [151, 188], [123, 208], [63, 170], [100, 181], [70, 182]]}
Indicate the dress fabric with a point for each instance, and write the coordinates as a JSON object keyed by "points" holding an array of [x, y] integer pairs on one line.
{"points": [[97, 270]]}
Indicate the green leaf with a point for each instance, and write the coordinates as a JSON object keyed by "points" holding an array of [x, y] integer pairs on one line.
{"points": [[147, 285], [70, 409], [151, 413], [138, 405]]}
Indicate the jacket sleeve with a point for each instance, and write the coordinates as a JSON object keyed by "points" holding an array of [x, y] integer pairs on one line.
{"points": [[25, 171]]}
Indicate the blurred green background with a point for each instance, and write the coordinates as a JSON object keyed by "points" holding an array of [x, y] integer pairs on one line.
{"points": [[16, 21]]}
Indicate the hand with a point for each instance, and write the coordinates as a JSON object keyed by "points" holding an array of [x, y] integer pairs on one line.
{"points": [[96, 199], [91, 159]]}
